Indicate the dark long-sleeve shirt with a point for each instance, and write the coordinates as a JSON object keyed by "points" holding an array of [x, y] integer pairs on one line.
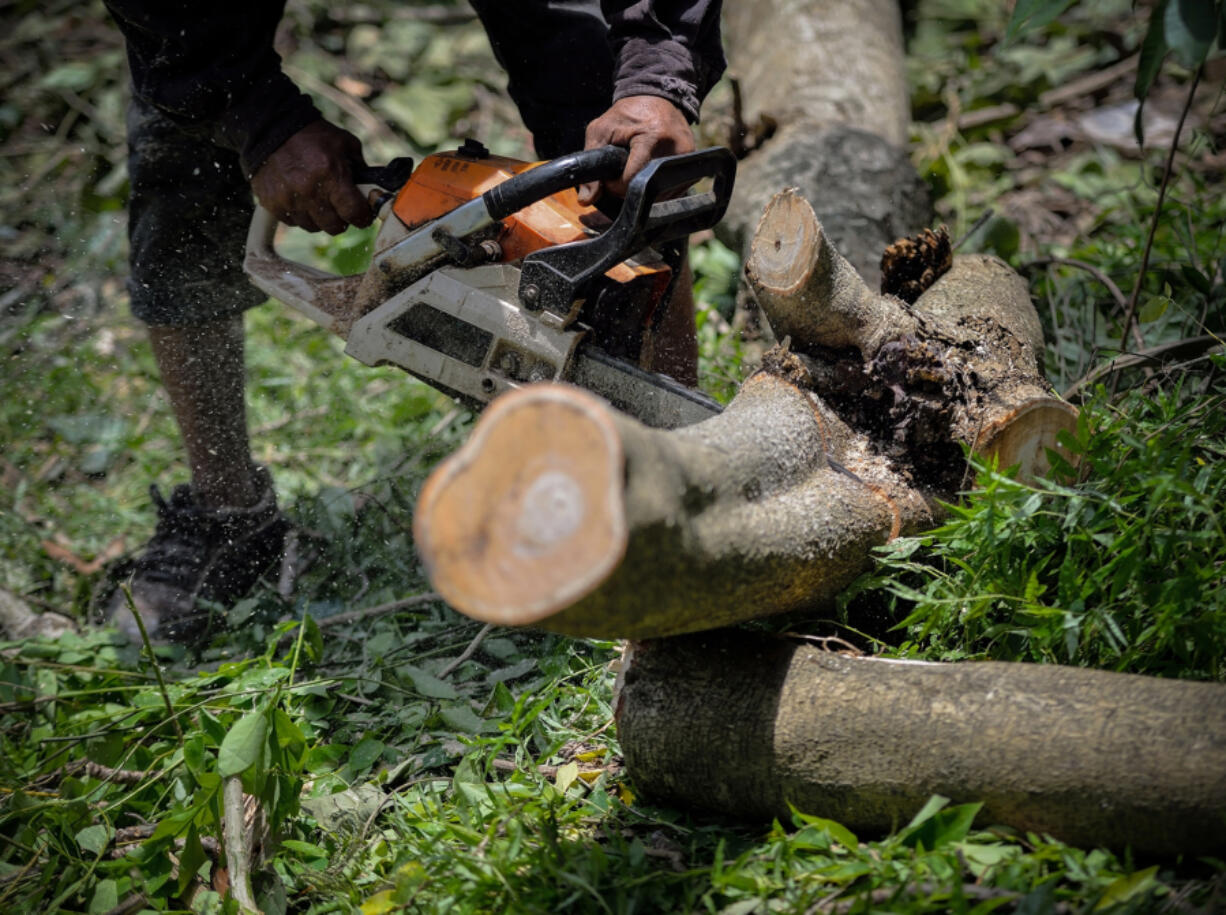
{"points": [[213, 62]]}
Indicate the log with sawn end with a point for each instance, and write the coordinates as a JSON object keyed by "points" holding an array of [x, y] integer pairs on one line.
{"points": [[563, 513]]}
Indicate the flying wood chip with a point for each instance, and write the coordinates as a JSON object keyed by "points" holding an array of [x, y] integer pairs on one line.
{"points": [[911, 265]]}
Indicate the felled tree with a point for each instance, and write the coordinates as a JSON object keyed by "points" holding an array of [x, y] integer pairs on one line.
{"points": [[561, 512]]}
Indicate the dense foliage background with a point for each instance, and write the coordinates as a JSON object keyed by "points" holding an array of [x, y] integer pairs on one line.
{"points": [[405, 758]]}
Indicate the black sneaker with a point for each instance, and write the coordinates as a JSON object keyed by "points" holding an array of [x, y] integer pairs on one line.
{"points": [[197, 557]]}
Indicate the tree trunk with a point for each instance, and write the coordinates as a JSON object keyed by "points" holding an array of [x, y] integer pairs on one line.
{"points": [[824, 84], [747, 724], [561, 512]]}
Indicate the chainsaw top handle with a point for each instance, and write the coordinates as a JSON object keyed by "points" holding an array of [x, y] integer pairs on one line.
{"points": [[651, 214]]}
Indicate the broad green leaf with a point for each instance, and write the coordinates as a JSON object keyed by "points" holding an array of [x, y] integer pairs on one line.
{"points": [[1190, 27], [428, 685], [1127, 887], [289, 735], [836, 830], [244, 744], [304, 848], [462, 719], [366, 753], [105, 898], [94, 839], [928, 811], [1029, 15], [383, 901], [1154, 309]]}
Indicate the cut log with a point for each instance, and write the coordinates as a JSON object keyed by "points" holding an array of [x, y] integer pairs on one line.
{"points": [[962, 366], [746, 725], [563, 513]]}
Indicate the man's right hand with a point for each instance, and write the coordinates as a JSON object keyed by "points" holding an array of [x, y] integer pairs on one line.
{"points": [[308, 181]]}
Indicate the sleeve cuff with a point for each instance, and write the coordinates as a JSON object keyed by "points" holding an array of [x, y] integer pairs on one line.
{"points": [[662, 68], [259, 122]]}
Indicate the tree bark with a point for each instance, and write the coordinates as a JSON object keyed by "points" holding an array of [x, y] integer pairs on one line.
{"points": [[747, 724], [825, 84]]}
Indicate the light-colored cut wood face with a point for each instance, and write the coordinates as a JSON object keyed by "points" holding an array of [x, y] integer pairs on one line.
{"points": [[1024, 436], [527, 517]]}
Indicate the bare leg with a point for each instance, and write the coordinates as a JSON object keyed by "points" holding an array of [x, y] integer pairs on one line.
{"points": [[675, 349], [203, 371]]}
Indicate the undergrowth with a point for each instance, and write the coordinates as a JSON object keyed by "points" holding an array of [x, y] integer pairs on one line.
{"points": [[1121, 571]]}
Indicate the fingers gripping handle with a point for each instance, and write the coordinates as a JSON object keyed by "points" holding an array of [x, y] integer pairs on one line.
{"points": [[321, 296]]}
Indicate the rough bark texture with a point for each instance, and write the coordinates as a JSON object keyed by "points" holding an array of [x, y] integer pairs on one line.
{"points": [[959, 367], [746, 724], [826, 83]]}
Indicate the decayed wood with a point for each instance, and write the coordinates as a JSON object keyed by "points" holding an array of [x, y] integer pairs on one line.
{"points": [[746, 724], [960, 366], [561, 512]]}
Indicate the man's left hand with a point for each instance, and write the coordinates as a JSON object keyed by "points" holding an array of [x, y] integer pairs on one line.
{"points": [[648, 126]]}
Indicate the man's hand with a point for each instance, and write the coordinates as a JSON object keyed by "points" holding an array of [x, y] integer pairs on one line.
{"points": [[308, 181], [648, 126]]}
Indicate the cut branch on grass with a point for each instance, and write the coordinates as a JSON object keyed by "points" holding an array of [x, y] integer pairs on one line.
{"points": [[238, 840], [370, 613], [1161, 355]]}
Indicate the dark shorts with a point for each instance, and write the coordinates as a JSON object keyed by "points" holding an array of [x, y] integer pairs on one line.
{"points": [[190, 205]]}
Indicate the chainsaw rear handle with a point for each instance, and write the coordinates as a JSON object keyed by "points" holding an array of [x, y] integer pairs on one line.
{"points": [[316, 293], [650, 215]]}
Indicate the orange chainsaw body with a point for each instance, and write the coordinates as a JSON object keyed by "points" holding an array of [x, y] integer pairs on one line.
{"points": [[446, 180]]}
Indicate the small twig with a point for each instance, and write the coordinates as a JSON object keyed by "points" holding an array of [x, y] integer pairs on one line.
{"points": [[153, 661], [369, 613], [975, 227], [467, 652], [117, 776], [1153, 223], [1116, 293], [1088, 84], [824, 641], [238, 854]]}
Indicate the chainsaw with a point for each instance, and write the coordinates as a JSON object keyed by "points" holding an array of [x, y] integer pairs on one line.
{"points": [[487, 274]]}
